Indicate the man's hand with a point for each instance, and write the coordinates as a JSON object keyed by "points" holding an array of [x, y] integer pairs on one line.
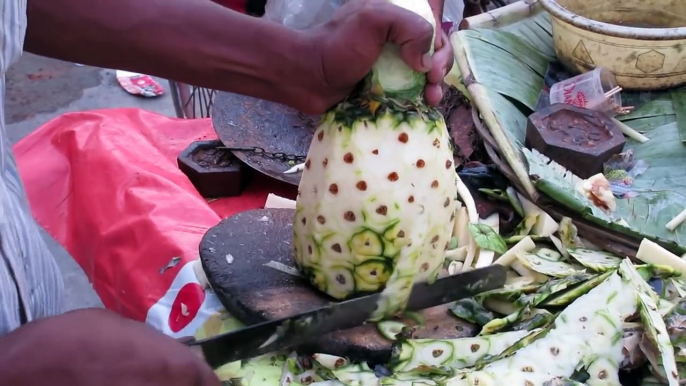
{"points": [[442, 59], [97, 347], [347, 46]]}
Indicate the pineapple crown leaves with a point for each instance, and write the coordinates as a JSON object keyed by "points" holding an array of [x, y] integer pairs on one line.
{"points": [[487, 238]]}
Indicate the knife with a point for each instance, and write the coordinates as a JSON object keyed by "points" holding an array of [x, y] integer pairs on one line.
{"points": [[280, 334]]}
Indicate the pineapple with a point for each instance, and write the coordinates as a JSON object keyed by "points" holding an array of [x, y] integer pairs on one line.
{"points": [[377, 198]]}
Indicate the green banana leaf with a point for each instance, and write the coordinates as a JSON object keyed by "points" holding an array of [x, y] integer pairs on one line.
{"points": [[510, 61]]}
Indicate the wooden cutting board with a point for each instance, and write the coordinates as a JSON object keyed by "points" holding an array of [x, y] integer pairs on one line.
{"points": [[234, 254]]}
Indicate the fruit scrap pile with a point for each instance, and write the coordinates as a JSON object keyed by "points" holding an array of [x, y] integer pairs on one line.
{"points": [[569, 314]]}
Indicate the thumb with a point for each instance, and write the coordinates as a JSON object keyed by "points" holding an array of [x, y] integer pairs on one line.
{"points": [[410, 31]]}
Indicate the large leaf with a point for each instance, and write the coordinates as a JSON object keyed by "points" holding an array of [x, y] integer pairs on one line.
{"points": [[490, 64], [535, 30], [509, 62]]}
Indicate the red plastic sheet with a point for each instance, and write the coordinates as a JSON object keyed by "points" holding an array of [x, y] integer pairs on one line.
{"points": [[106, 185]]}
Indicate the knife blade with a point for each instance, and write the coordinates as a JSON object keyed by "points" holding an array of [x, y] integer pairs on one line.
{"points": [[292, 331]]}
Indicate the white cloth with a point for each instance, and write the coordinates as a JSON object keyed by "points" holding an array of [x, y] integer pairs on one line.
{"points": [[30, 284]]}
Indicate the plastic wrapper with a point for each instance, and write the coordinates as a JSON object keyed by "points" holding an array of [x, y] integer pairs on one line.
{"points": [[453, 10], [621, 170], [106, 185], [301, 14]]}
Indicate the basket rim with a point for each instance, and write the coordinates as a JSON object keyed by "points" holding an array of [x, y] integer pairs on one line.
{"points": [[563, 14]]}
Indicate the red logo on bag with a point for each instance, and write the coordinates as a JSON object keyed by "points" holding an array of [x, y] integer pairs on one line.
{"points": [[188, 301]]}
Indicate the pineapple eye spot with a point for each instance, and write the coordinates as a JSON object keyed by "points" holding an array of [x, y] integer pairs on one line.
{"points": [[362, 185], [336, 248], [333, 188], [320, 136], [447, 245], [401, 234], [325, 162], [528, 383], [304, 220], [340, 279], [382, 210], [307, 164], [448, 164], [554, 350], [350, 216], [602, 374], [474, 347], [527, 369], [583, 319], [434, 184], [348, 158], [437, 143], [373, 272], [339, 362], [393, 177], [437, 353], [321, 219], [452, 217], [309, 249], [425, 267], [375, 151], [410, 199], [421, 163], [435, 239], [446, 203], [403, 137]]}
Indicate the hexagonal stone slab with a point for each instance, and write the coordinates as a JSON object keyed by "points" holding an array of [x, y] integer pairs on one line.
{"points": [[579, 139]]}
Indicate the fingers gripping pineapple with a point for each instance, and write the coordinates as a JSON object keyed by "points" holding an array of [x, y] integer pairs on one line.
{"points": [[377, 197]]}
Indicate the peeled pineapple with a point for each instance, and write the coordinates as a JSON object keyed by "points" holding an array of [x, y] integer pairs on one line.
{"points": [[377, 197]]}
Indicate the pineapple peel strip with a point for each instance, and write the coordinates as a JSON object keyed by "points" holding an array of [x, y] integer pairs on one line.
{"points": [[467, 199]]}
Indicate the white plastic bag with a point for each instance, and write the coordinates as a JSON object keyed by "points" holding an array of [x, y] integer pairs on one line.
{"points": [[452, 10], [301, 14]]}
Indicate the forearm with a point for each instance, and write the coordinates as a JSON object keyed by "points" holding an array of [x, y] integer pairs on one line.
{"points": [[437, 6], [192, 41]]}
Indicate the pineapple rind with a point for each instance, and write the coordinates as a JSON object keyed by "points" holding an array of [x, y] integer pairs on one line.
{"points": [[655, 329], [592, 325], [456, 353]]}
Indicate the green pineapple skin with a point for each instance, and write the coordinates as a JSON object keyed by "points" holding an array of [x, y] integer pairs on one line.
{"points": [[587, 329], [378, 188], [456, 353]]}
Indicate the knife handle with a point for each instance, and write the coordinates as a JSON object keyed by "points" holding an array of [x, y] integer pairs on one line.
{"points": [[190, 341]]}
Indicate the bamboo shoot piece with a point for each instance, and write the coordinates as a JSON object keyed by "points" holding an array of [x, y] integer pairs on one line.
{"points": [[676, 221], [651, 253]]}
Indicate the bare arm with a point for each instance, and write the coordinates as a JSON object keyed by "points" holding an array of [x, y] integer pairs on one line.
{"points": [[204, 44], [192, 41], [437, 6]]}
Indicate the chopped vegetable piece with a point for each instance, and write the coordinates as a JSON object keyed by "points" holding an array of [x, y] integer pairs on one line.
{"points": [[595, 260], [389, 329]]}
